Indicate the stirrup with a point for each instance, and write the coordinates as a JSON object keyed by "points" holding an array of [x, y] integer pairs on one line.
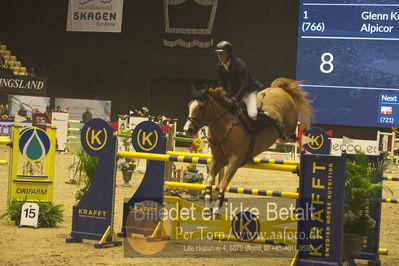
{"points": [[262, 112], [265, 119]]}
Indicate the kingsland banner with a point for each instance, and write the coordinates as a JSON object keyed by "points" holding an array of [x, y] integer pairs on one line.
{"points": [[23, 84], [95, 15]]}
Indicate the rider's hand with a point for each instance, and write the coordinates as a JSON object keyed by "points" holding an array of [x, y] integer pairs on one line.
{"points": [[233, 103]]}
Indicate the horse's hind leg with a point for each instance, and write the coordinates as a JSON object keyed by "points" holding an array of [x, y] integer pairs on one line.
{"points": [[214, 170]]}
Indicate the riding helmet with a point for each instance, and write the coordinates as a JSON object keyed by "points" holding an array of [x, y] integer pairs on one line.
{"points": [[224, 46]]}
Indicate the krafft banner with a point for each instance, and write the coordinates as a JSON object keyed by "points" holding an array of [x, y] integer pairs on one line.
{"points": [[95, 15]]}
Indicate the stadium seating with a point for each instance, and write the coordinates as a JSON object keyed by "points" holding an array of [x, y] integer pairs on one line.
{"points": [[11, 61]]}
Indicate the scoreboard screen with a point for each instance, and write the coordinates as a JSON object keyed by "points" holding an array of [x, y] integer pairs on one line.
{"points": [[348, 60]]}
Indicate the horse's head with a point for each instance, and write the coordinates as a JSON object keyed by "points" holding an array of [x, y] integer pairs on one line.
{"points": [[197, 116]]}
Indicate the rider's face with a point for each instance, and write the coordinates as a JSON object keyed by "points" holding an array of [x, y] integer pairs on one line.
{"points": [[223, 57]]}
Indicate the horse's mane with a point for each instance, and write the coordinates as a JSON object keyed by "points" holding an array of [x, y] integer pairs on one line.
{"points": [[220, 95]]}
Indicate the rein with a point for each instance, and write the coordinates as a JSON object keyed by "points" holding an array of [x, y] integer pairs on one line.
{"points": [[212, 141], [199, 124]]}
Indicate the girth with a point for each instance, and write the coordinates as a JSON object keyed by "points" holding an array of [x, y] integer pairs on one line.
{"points": [[263, 122], [252, 128]]}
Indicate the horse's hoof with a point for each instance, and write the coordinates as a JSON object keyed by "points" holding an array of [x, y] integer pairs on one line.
{"points": [[207, 212], [216, 214]]}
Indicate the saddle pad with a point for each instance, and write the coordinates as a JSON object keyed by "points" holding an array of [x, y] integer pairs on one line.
{"points": [[250, 126]]}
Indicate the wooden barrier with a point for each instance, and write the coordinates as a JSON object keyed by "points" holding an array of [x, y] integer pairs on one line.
{"points": [[92, 216]]}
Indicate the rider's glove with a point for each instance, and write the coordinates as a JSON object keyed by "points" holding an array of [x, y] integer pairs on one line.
{"points": [[233, 103]]}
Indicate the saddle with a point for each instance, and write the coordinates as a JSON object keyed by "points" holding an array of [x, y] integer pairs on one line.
{"points": [[253, 127]]}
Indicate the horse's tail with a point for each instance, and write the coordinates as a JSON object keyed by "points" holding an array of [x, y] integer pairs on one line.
{"points": [[300, 97]]}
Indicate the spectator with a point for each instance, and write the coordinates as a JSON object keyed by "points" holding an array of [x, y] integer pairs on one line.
{"points": [[86, 116], [32, 72], [4, 69], [58, 109], [48, 114], [6, 111]]}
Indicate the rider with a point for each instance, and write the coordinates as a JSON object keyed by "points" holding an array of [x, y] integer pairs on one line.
{"points": [[235, 78]]}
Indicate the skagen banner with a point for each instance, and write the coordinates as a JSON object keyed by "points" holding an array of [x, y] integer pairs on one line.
{"points": [[95, 15], [23, 84]]}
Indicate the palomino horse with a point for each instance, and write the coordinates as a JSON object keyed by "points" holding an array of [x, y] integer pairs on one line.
{"points": [[284, 101]]}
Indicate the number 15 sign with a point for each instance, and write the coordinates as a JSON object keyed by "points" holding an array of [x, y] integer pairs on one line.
{"points": [[29, 214]]}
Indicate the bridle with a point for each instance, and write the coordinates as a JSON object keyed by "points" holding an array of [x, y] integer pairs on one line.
{"points": [[211, 140], [198, 122]]}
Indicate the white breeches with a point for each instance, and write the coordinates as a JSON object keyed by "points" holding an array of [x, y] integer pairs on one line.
{"points": [[250, 101]]}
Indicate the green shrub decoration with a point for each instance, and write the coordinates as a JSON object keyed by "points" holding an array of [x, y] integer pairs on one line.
{"points": [[194, 178], [361, 188], [85, 168], [49, 214], [14, 211], [192, 168], [192, 175]]}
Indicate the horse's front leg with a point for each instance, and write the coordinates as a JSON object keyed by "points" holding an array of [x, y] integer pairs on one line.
{"points": [[231, 169], [214, 170]]}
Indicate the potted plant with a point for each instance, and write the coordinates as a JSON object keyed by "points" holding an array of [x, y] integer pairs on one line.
{"points": [[127, 167], [192, 176], [362, 187], [125, 136]]}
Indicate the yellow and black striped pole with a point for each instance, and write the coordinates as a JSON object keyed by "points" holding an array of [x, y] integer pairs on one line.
{"points": [[237, 190], [390, 178], [255, 160], [200, 160], [5, 141], [389, 200]]}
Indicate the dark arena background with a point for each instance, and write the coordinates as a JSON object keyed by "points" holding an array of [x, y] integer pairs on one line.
{"points": [[134, 68]]}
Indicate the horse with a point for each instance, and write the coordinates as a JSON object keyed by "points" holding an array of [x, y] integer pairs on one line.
{"points": [[284, 101]]}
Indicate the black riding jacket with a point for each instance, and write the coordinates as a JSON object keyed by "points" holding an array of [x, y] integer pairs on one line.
{"points": [[237, 80]]}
